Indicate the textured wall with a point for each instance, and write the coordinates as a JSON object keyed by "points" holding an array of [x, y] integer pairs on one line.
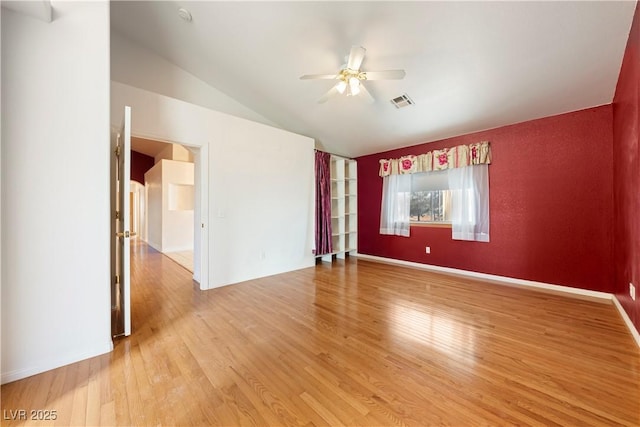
{"points": [[551, 202], [627, 177]]}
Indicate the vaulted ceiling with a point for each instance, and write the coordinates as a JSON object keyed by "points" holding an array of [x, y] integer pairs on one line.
{"points": [[469, 66]]}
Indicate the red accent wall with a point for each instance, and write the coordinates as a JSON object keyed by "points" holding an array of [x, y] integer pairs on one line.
{"points": [[551, 204], [140, 163], [626, 176]]}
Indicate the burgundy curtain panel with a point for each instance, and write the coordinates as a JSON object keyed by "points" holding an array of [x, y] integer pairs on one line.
{"points": [[323, 203]]}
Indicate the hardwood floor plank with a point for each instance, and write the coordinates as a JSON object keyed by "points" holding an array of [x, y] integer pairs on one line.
{"points": [[335, 389], [108, 414], [326, 414], [93, 394], [351, 343]]}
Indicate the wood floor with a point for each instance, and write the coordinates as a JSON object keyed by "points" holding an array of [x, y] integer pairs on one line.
{"points": [[353, 343]]}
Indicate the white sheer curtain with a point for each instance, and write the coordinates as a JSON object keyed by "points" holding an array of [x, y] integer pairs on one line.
{"points": [[470, 202], [396, 202]]}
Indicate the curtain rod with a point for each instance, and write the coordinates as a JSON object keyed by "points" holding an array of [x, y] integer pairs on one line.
{"points": [[334, 154]]}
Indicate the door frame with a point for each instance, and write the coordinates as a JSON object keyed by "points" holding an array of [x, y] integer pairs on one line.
{"points": [[201, 208]]}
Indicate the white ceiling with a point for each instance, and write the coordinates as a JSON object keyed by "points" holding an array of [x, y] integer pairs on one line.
{"points": [[147, 146], [38, 9], [469, 66]]}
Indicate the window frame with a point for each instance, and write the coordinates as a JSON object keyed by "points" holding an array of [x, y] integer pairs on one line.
{"points": [[438, 187]]}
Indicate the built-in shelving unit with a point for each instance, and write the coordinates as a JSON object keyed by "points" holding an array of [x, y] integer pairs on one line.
{"points": [[344, 207]]}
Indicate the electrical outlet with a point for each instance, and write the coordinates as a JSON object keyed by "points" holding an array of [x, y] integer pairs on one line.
{"points": [[427, 250], [632, 291]]}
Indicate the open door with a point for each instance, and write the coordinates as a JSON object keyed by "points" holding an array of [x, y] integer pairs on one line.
{"points": [[120, 252]]}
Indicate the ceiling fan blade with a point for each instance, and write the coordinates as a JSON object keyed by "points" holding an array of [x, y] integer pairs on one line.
{"points": [[318, 76], [331, 93], [355, 57], [364, 93], [384, 75]]}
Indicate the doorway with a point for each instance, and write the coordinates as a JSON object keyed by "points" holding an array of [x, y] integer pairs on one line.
{"points": [[171, 200]]}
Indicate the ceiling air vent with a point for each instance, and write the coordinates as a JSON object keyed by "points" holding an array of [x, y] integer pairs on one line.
{"points": [[402, 101]]}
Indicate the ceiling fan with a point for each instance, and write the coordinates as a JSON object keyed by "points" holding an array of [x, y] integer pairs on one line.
{"points": [[351, 78]]}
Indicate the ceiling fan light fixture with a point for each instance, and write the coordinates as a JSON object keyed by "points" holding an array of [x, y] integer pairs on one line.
{"points": [[354, 85], [350, 78]]}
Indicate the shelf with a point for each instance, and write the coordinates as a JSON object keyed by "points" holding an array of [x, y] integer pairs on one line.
{"points": [[343, 183]]}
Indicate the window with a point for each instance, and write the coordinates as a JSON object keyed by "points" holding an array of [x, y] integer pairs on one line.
{"points": [[430, 198], [456, 198], [455, 191], [431, 206]]}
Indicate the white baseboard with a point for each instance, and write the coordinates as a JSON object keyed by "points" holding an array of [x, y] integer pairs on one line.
{"points": [[494, 278], [510, 281], [48, 365], [626, 319], [154, 245]]}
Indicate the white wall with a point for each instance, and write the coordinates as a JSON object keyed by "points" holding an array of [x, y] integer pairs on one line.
{"points": [[55, 188], [200, 247], [177, 223], [170, 227], [136, 66], [261, 184], [153, 184], [174, 152], [1, 198]]}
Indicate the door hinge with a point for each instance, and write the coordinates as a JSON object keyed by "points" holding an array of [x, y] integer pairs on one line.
{"points": [[117, 214], [117, 279], [117, 150]]}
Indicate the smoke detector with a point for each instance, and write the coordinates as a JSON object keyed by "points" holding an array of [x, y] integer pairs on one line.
{"points": [[184, 14]]}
